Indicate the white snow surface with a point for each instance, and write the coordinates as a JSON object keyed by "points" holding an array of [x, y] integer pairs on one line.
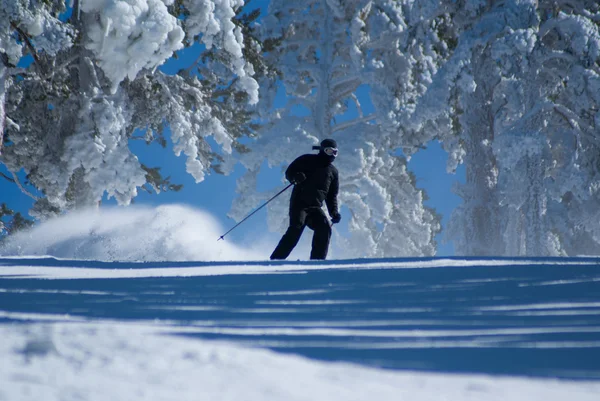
{"points": [[115, 361], [129, 35], [253, 267], [210, 327]]}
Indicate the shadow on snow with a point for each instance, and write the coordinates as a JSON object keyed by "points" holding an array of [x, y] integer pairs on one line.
{"points": [[537, 318]]}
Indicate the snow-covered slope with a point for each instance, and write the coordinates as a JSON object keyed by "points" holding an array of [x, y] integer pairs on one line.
{"points": [[394, 329], [120, 361]]}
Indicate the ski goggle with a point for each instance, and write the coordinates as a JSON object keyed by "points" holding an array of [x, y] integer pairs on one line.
{"points": [[330, 151]]}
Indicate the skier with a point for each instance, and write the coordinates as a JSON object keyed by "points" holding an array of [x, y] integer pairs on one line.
{"points": [[315, 180]]}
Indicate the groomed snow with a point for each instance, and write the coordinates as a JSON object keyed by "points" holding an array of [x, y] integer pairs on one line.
{"points": [[81, 319], [116, 270], [116, 361]]}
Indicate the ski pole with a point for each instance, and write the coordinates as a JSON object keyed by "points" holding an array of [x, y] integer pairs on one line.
{"points": [[263, 205]]}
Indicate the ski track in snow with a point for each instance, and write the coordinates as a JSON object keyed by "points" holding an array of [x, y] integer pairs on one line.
{"points": [[390, 329]]}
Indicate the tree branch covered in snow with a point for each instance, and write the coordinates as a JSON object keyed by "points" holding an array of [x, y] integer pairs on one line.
{"points": [[11, 222], [95, 82]]}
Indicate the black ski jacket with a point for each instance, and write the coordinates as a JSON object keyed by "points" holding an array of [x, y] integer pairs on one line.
{"points": [[321, 183]]}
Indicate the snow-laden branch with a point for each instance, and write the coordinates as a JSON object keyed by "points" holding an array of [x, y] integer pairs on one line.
{"points": [[3, 78], [70, 125], [576, 122], [357, 105], [18, 182], [129, 37], [347, 124]]}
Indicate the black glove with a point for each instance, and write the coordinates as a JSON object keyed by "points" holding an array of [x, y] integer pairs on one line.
{"points": [[298, 177], [336, 218]]}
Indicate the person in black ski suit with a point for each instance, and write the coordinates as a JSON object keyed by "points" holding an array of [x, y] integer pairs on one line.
{"points": [[315, 180]]}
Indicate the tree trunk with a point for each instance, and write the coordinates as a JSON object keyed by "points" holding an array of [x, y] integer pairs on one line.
{"points": [[535, 208], [485, 228], [484, 236], [2, 103], [323, 105]]}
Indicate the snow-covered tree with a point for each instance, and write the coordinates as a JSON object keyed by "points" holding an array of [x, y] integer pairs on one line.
{"points": [[521, 93], [334, 55], [93, 85], [12, 222], [565, 70]]}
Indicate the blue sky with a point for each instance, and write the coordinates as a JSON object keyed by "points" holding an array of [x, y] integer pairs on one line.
{"points": [[216, 192]]}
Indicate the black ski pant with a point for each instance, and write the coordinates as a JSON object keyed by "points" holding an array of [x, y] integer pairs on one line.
{"points": [[316, 220]]}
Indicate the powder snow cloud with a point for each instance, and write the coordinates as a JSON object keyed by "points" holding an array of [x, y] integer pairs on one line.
{"points": [[135, 233]]}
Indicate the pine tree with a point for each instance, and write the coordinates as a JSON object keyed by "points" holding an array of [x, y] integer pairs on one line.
{"points": [[520, 90], [93, 85], [12, 222], [330, 51]]}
